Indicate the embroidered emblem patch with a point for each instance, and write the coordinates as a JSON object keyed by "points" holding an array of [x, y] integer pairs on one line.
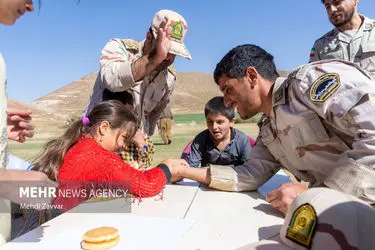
{"points": [[172, 69], [324, 87], [302, 225], [278, 95], [131, 44], [369, 26], [177, 29]]}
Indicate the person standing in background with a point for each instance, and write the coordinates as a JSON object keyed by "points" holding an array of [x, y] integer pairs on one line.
{"points": [[165, 125], [352, 39], [144, 69]]}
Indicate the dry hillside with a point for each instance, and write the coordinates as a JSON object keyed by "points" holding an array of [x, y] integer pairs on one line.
{"points": [[191, 93]]}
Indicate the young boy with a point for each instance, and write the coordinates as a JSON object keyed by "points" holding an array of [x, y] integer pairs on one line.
{"points": [[220, 143]]}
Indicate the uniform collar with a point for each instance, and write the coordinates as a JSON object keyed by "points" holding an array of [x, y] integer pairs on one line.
{"points": [[141, 45], [263, 119], [278, 92], [367, 24]]}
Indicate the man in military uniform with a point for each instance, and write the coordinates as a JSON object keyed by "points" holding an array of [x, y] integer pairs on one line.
{"points": [[318, 124], [352, 39], [323, 218], [144, 69]]}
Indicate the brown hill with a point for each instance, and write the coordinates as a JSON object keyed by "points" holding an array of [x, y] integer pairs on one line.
{"points": [[192, 91], [39, 115], [69, 100]]}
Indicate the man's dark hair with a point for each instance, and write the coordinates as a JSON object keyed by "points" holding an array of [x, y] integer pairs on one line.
{"points": [[125, 96], [216, 106], [235, 63]]}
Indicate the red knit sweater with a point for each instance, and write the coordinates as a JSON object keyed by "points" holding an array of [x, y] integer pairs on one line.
{"points": [[86, 162]]}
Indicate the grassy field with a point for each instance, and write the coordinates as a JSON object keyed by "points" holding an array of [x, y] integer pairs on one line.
{"points": [[189, 118], [183, 131], [200, 118]]}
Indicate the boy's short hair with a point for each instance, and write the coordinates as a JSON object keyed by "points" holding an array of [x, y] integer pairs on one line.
{"points": [[216, 106]]}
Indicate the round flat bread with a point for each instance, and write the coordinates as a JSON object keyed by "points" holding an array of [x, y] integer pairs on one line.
{"points": [[100, 234], [105, 245]]}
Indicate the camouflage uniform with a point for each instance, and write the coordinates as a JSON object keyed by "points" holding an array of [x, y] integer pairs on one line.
{"points": [[321, 128], [359, 49], [165, 125], [151, 94]]}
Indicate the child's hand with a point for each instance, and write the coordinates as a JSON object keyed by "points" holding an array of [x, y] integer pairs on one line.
{"points": [[141, 166], [139, 139]]}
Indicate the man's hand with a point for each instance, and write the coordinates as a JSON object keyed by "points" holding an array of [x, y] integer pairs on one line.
{"points": [[176, 167], [156, 53], [19, 125], [163, 43], [282, 197]]}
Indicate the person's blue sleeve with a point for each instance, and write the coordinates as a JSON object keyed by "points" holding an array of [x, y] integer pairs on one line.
{"points": [[245, 148], [196, 152]]}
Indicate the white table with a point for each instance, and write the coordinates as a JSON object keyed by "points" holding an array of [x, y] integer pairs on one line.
{"points": [[190, 216]]}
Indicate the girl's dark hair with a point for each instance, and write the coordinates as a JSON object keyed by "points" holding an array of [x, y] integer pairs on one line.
{"points": [[125, 96], [52, 155], [117, 114]]}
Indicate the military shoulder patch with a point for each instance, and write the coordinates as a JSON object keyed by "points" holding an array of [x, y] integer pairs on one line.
{"points": [[172, 69], [324, 87], [302, 225], [131, 44], [369, 26], [278, 95]]}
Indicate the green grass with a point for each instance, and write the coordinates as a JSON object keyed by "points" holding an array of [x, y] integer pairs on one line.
{"points": [[182, 133], [188, 118]]}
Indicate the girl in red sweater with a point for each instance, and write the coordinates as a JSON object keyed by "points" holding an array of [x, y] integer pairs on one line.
{"points": [[85, 153]]}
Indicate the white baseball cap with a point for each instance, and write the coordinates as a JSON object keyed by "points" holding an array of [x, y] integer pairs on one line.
{"points": [[179, 29]]}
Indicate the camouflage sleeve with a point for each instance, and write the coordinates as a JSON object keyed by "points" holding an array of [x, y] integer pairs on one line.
{"points": [[314, 55], [115, 67], [153, 116], [345, 99], [259, 167]]}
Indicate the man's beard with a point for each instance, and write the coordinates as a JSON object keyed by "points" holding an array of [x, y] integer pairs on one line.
{"points": [[345, 21]]}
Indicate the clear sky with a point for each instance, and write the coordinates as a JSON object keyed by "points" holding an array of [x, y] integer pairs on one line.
{"points": [[62, 43]]}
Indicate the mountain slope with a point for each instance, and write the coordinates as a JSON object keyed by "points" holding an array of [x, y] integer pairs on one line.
{"points": [[192, 91]]}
